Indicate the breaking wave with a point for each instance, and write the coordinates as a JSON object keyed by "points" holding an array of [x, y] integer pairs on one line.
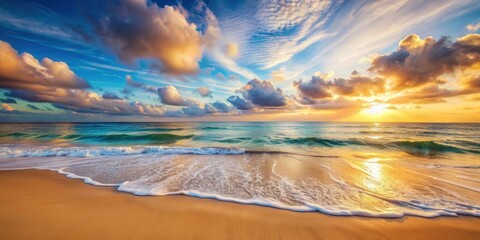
{"points": [[9, 152]]}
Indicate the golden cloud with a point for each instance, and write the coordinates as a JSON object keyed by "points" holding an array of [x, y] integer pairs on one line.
{"points": [[136, 29]]}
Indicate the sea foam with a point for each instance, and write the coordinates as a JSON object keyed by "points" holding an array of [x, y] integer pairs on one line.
{"points": [[332, 186], [9, 152]]}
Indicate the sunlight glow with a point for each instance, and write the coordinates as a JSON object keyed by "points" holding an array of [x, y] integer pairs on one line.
{"points": [[377, 109]]}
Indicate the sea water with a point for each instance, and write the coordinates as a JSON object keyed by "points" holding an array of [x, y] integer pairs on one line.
{"points": [[367, 169]]}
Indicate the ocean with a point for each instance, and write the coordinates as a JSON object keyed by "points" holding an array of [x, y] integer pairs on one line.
{"points": [[364, 169]]}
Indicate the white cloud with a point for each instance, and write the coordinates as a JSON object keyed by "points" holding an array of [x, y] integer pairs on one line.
{"points": [[137, 29], [276, 31], [23, 71], [231, 49], [473, 27], [204, 92], [365, 28], [169, 95]]}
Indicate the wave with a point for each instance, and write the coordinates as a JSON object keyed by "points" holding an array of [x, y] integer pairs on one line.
{"points": [[159, 129], [213, 128], [426, 148], [153, 138], [157, 138], [307, 141], [319, 142], [236, 140], [9, 152], [465, 143], [417, 148], [15, 135]]}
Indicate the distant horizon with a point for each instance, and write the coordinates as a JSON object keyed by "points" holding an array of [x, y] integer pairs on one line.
{"points": [[218, 121]]}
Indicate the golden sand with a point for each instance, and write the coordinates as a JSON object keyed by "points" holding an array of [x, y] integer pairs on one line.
{"points": [[37, 204]]}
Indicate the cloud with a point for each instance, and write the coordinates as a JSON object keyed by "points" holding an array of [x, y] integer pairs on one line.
{"points": [[276, 31], [240, 103], [8, 100], [222, 107], [418, 62], [473, 27], [215, 108], [365, 27], [133, 84], [201, 110], [35, 18], [231, 50], [411, 74], [169, 95], [88, 102], [419, 67], [23, 71], [212, 32], [197, 110], [110, 95], [207, 70], [470, 79], [356, 85], [426, 95], [220, 76], [316, 88], [204, 92], [278, 75], [335, 104], [231, 65], [263, 93], [53, 82], [57, 84], [136, 29]]}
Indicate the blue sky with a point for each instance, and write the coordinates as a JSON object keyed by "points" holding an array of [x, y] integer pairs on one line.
{"points": [[219, 46]]}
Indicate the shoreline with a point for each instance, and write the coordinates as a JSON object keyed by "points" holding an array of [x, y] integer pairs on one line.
{"points": [[42, 204]]}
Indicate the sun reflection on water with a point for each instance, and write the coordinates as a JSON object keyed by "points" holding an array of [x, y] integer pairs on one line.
{"points": [[374, 168], [376, 179]]}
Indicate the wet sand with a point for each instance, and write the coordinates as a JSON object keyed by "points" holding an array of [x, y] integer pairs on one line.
{"points": [[40, 204]]}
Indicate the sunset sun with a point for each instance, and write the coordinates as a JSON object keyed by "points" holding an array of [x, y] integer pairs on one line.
{"points": [[376, 109]]}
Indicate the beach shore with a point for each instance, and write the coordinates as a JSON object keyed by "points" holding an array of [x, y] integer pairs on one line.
{"points": [[40, 204]]}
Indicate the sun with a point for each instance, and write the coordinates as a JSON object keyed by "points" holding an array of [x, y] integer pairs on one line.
{"points": [[376, 109]]}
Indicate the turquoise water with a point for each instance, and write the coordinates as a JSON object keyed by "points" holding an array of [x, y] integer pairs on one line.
{"points": [[381, 170], [420, 139]]}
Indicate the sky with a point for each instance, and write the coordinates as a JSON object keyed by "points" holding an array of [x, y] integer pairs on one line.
{"points": [[139, 60]]}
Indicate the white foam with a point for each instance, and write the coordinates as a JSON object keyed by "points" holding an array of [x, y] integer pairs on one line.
{"points": [[86, 179], [261, 202], [251, 179], [9, 152]]}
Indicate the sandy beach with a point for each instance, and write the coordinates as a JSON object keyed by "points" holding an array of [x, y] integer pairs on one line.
{"points": [[38, 204]]}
